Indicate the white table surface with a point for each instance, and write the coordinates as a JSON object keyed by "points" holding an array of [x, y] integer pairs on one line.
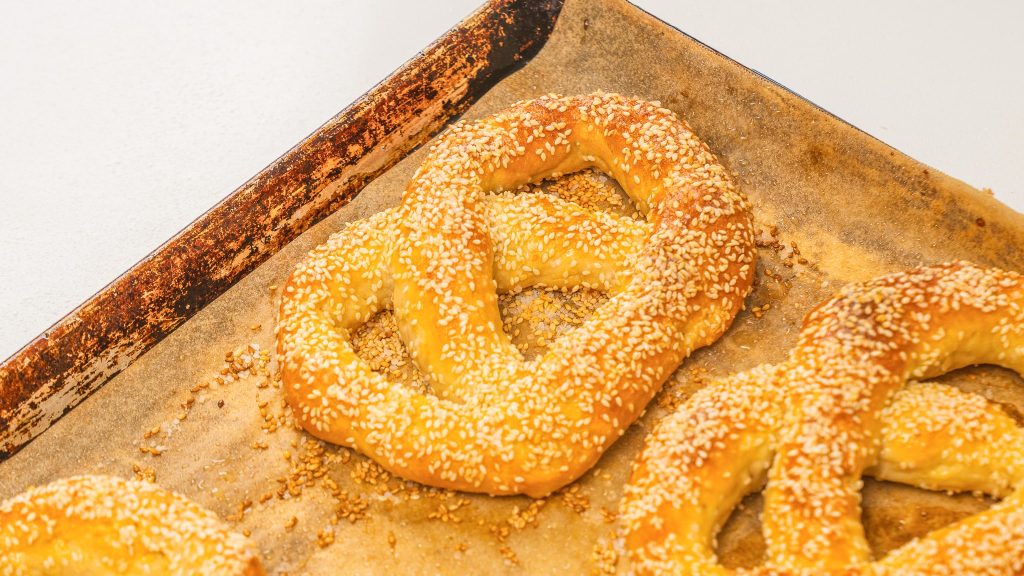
{"points": [[123, 120]]}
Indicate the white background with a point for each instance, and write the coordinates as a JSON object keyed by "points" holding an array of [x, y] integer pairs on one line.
{"points": [[123, 120]]}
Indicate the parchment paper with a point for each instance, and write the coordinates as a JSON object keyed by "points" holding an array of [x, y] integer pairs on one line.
{"points": [[853, 207]]}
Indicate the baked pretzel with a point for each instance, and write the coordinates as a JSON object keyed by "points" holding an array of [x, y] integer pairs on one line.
{"points": [[497, 423], [102, 525], [839, 408]]}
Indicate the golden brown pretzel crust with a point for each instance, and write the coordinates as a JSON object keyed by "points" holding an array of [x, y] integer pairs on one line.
{"points": [[836, 409], [99, 525], [500, 424]]}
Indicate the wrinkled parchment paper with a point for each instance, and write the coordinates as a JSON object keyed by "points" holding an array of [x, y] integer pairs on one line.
{"points": [[852, 207]]}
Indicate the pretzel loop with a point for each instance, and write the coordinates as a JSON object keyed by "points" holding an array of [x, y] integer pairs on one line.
{"points": [[839, 408], [499, 424]]}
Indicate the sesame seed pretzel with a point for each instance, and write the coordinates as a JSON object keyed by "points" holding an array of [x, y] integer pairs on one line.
{"points": [[498, 423], [101, 525], [839, 407]]}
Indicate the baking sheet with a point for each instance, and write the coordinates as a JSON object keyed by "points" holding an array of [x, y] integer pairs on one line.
{"points": [[853, 207]]}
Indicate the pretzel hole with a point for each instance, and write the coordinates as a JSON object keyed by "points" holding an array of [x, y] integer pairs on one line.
{"points": [[593, 189], [892, 513]]}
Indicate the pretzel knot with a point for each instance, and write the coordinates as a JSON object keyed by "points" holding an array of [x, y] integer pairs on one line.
{"points": [[497, 423], [840, 407]]}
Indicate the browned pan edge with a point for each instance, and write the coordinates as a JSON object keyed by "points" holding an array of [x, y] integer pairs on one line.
{"points": [[81, 352]]}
